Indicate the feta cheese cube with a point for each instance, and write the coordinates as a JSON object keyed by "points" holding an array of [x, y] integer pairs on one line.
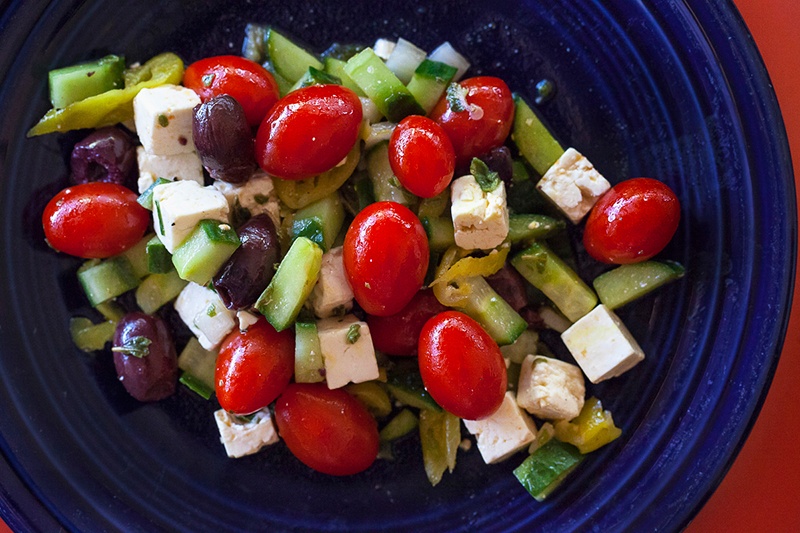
{"points": [[504, 433], [550, 389], [383, 48], [480, 218], [332, 295], [602, 345], [163, 117], [347, 351], [257, 195], [573, 185], [180, 205], [202, 310], [242, 437], [174, 167], [246, 319]]}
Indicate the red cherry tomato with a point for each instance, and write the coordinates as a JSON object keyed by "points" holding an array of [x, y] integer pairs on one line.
{"points": [[632, 222], [398, 334], [461, 366], [309, 131], [385, 257], [484, 124], [327, 430], [253, 367], [422, 156], [248, 82], [94, 220]]}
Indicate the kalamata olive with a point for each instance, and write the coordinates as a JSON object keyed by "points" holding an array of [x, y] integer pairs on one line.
{"points": [[510, 285], [144, 356], [499, 160], [107, 154], [223, 139], [243, 278]]}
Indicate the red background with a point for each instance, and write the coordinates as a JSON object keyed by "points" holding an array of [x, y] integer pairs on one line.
{"points": [[762, 490]]}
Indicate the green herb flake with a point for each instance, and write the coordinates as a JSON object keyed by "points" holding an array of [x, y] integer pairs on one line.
{"points": [[211, 311], [353, 333], [457, 98], [261, 199], [488, 180], [208, 79], [138, 346], [163, 121]]}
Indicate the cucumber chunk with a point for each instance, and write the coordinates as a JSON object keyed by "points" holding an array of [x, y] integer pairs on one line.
{"points": [[76, 82], [137, 256], [314, 76], [159, 260], [547, 467], [335, 67], [534, 140], [308, 364], [626, 283], [156, 290], [527, 227], [385, 185], [294, 280], [405, 384], [320, 221], [198, 365], [103, 280], [429, 82], [91, 337], [204, 251], [146, 198], [440, 232], [401, 425], [289, 60], [491, 311]]}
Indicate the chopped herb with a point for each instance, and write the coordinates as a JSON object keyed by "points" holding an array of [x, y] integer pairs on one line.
{"points": [[160, 218], [488, 180], [353, 333], [339, 310], [208, 79], [261, 199], [239, 213], [211, 311], [138, 346], [394, 182], [163, 121], [457, 98]]}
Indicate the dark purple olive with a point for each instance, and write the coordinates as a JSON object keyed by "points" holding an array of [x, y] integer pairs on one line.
{"points": [[510, 285], [144, 357], [499, 160], [249, 270], [223, 139], [107, 154]]}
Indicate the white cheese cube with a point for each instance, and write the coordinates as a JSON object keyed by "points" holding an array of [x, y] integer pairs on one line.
{"points": [[347, 351], [174, 167], [202, 310], [573, 185], [242, 437], [602, 345], [507, 431], [246, 319], [332, 295], [180, 205], [383, 48], [550, 389], [163, 117], [257, 195], [480, 218]]}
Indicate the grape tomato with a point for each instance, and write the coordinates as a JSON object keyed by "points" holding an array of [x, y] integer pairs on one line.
{"points": [[421, 156]]}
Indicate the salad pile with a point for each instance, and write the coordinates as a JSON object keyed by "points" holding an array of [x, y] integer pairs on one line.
{"points": [[365, 246]]}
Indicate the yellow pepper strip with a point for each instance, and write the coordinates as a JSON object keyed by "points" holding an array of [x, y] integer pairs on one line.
{"points": [[449, 294], [440, 435], [474, 266], [590, 430], [116, 105]]}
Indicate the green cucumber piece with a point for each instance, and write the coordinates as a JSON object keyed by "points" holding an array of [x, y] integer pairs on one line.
{"points": [[429, 82], [551, 275], [435, 206], [547, 467], [393, 98], [110, 310], [492, 312], [526, 344], [204, 251], [528, 227], [104, 280], [626, 283], [320, 221], [198, 365], [137, 256], [293, 282], [146, 198], [385, 185], [91, 337], [156, 290], [289, 60], [405, 384], [77, 82], [159, 260], [335, 67], [308, 364], [440, 232], [401, 425], [315, 76], [534, 140]]}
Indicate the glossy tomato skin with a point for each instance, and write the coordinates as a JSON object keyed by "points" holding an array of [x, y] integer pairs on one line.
{"points": [[484, 125], [421, 156], [398, 334], [327, 429], [632, 222], [386, 257], [309, 131], [248, 82], [461, 366], [253, 367], [94, 220]]}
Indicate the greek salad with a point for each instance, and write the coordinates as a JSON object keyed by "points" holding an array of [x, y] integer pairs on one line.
{"points": [[366, 245]]}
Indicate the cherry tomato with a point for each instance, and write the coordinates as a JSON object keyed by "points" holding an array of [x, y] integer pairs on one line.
{"points": [[94, 220], [248, 82], [484, 124], [327, 429], [253, 367], [309, 131], [461, 366], [632, 222], [385, 257], [422, 156], [398, 334]]}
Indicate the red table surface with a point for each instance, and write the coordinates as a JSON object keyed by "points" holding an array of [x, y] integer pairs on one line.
{"points": [[761, 492]]}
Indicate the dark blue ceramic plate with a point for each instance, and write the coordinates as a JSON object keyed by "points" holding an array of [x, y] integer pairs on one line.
{"points": [[674, 90]]}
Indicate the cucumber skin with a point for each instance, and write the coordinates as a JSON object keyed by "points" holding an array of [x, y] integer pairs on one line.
{"points": [[107, 279], [289, 60], [74, 83], [204, 251], [535, 142], [627, 283], [547, 467]]}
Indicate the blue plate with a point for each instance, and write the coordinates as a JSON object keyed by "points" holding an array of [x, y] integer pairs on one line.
{"points": [[674, 90]]}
